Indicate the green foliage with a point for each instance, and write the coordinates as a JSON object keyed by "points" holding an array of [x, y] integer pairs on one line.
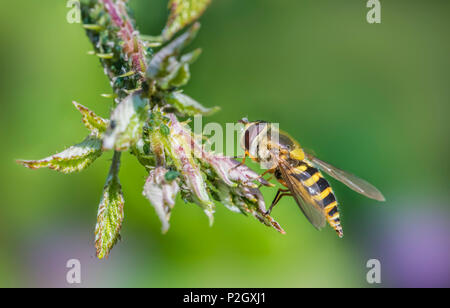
{"points": [[182, 13], [76, 158], [177, 71], [161, 190], [94, 123], [187, 106], [118, 48], [159, 64], [127, 122], [110, 212]]}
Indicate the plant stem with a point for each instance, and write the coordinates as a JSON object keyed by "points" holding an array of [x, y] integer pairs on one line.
{"points": [[115, 35], [115, 165]]}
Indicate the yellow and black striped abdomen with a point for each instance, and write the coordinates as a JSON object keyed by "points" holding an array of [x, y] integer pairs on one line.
{"points": [[321, 192]]}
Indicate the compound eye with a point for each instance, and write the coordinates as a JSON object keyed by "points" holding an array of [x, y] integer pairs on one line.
{"points": [[247, 139], [252, 132]]}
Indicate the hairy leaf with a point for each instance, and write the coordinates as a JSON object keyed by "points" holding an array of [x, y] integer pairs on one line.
{"points": [[179, 150], [127, 122], [93, 122], [182, 13], [178, 72], [187, 106], [161, 193], [159, 65], [245, 200], [193, 176], [110, 213], [76, 158]]}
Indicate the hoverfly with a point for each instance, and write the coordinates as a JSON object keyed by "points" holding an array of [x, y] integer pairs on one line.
{"points": [[299, 172]]}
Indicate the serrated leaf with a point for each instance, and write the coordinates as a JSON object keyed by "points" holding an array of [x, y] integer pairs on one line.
{"points": [[245, 199], [75, 158], [158, 66], [180, 77], [93, 122], [161, 193], [186, 105], [126, 124], [183, 13], [110, 212], [178, 72], [180, 151], [254, 203], [224, 196]]}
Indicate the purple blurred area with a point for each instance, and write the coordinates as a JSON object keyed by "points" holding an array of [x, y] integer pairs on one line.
{"points": [[413, 243]]}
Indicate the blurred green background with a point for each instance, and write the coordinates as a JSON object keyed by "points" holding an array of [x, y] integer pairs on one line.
{"points": [[372, 99]]}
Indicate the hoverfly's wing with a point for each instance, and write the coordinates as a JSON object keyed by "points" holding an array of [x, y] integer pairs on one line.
{"points": [[351, 180], [313, 212]]}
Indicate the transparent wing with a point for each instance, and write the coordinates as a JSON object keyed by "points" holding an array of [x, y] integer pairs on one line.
{"points": [[313, 212], [351, 180]]}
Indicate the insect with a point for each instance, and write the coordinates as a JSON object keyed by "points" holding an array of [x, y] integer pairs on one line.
{"points": [[299, 173]]}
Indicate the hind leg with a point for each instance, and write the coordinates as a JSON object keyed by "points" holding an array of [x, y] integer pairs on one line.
{"points": [[280, 194]]}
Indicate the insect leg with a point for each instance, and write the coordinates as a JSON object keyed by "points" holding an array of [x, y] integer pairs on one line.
{"points": [[267, 171], [269, 178], [242, 162], [280, 194], [267, 182]]}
